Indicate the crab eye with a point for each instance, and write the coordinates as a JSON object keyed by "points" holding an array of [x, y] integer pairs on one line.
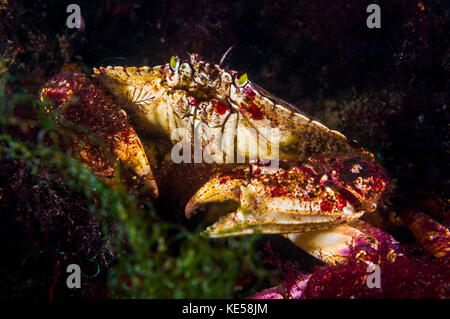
{"points": [[174, 63], [226, 77], [185, 70], [200, 78], [195, 57], [242, 80]]}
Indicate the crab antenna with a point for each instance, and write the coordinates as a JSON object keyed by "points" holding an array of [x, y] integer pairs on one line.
{"points": [[225, 55]]}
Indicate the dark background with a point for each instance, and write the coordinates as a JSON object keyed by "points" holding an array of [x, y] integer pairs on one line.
{"points": [[387, 88]]}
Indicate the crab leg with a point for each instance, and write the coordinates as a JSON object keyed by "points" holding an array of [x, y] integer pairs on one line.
{"points": [[432, 236], [330, 246], [83, 103], [335, 245]]}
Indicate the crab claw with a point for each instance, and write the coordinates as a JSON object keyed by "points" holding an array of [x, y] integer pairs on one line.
{"points": [[82, 103], [336, 245], [292, 198]]}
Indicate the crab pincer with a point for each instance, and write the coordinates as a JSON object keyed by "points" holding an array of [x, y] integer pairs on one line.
{"points": [[292, 198], [103, 138]]}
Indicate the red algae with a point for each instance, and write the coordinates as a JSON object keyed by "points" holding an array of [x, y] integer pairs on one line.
{"points": [[87, 103], [406, 272], [406, 277]]}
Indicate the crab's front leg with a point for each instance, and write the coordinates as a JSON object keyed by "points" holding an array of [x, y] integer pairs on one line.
{"points": [[107, 140], [304, 200]]}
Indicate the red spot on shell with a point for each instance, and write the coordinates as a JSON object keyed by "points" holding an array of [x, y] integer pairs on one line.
{"points": [[341, 202], [250, 93], [236, 174], [278, 191], [326, 206], [239, 173], [255, 112], [192, 101], [221, 108]]}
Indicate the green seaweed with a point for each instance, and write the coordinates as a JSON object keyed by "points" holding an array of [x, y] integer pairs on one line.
{"points": [[155, 258]]}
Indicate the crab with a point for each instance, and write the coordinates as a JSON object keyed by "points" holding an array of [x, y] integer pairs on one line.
{"points": [[249, 162]]}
